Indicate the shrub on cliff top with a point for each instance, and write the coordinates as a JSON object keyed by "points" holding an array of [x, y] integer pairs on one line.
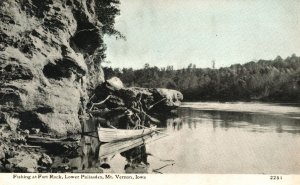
{"points": [[106, 12]]}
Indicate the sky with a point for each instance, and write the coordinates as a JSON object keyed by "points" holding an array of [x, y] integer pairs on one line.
{"points": [[180, 32]]}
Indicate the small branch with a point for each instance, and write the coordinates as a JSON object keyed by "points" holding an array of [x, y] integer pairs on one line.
{"points": [[164, 166], [92, 29], [91, 97], [151, 106], [157, 171], [101, 102], [30, 146]]}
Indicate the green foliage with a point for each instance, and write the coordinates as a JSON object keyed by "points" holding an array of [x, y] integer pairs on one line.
{"points": [[274, 80], [106, 11]]}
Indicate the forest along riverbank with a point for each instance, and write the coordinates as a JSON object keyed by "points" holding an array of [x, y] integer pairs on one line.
{"points": [[264, 80]]}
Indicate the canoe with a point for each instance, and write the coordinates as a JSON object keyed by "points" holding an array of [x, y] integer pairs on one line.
{"points": [[112, 135]]}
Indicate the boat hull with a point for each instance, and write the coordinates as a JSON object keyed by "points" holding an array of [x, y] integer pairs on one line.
{"points": [[112, 135]]}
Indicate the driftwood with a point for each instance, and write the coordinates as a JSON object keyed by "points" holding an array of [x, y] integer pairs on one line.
{"points": [[30, 146], [151, 106], [136, 115], [156, 170], [91, 97], [140, 110], [47, 140], [58, 146], [102, 112], [34, 137], [154, 120], [66, 146], [97, 113], [101, 102]]}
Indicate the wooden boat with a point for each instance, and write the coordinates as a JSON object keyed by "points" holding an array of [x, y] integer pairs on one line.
{"points": [[112, 135]]}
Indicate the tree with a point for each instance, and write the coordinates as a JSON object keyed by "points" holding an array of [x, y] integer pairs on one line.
{"points": [[106, 12], [147, 66], [278, 59], [213, 64]]}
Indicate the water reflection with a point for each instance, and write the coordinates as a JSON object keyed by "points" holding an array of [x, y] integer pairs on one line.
{"points": [[217, 140], [86, 158], [253, 122], [131, 154], [136, 160], [132, 160]]}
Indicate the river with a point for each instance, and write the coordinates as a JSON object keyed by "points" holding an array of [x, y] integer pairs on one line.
{"points": [[218, 138]]}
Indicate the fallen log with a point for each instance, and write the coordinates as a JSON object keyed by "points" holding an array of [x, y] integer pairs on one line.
{"points": [[30, 146], [154, 120], [67, 146], [151, 106], [39, 139]]}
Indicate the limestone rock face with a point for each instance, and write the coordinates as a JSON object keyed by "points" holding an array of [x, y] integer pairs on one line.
{"points": [[45, 62], [115, 83], [172, 97], [24, 162]]}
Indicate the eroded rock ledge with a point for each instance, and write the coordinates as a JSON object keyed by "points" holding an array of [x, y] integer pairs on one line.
{"points": [[45, 63]]}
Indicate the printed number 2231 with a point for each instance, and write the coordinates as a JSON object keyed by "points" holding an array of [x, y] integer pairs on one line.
{"points": [[275, 177]]}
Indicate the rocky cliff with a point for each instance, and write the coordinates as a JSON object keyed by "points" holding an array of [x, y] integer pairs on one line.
{"points": [[46, 62]]}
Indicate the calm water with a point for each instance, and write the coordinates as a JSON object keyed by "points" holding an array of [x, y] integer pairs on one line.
{"points": [[207, 138]]}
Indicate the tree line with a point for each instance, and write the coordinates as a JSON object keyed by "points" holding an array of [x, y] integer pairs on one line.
{"points": [[264, 80]]}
